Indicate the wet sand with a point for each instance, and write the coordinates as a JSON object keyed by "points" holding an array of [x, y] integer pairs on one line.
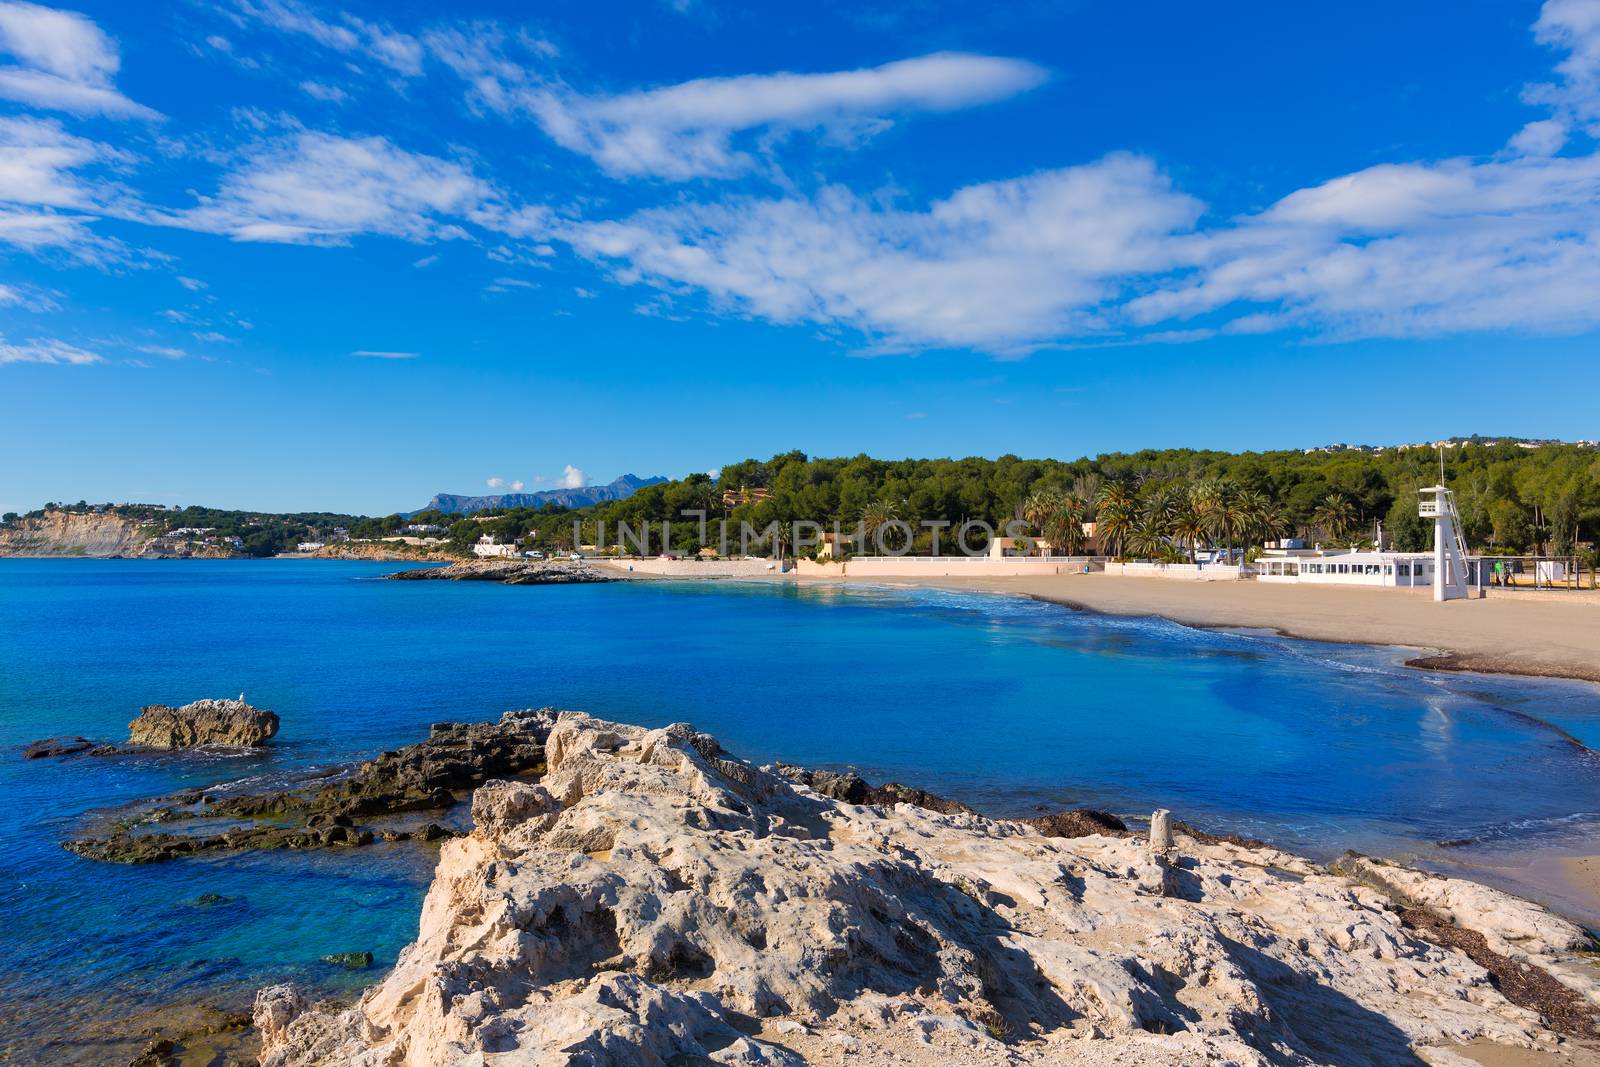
{"points": [[1505, 634]]}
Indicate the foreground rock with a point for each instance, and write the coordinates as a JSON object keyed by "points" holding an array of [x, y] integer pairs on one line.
{"points": [[656, 901], [204, 722], [510, 572], [425, 777]]}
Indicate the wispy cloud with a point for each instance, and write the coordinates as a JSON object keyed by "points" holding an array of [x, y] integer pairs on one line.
{"points": [[994, 266], [343, 32], [61, 61], [46, 351], [371, 353], [317, 188], [687, 130], [331, 94], [164, 351]]}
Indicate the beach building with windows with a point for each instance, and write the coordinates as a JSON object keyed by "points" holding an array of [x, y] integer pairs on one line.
{"points": [[1447, 571], [1339, 566]]}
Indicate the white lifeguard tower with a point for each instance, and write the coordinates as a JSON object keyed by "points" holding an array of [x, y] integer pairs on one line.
{"points": [[1450, 567]]}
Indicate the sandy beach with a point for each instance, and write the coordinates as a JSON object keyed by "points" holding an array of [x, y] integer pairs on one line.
{"points": [[1506, 634]]}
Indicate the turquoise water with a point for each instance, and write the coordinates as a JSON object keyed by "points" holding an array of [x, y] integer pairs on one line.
{"points": [[1005, 703]]}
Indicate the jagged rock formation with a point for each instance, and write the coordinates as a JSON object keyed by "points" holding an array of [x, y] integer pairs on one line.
{"points": [[341, 812], [510, 572], [655, 901], [204, 722]]}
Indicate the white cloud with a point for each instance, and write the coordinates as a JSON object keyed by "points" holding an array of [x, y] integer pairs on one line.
{"points": [[1543, 137], [45, 205], [63, 62], [46, 351], [494, 483], [572, 478], [194, 285], [687, 130], [164, 351], [369, 353], [1571, 26], [321, 91], [320, 189], [37, 158], [425, 261], [994, 266], [517, 487], [714, 473], [347, 34], [1109, 252]]}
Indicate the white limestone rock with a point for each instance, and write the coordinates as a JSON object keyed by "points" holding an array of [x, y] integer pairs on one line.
{"points": [[655, 901]]}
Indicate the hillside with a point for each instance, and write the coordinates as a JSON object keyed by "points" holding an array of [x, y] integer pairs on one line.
{"points": [[584, 497]]}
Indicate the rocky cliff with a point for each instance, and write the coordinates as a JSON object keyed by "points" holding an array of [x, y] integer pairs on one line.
{"points": [[655, 901], [65, 533]]}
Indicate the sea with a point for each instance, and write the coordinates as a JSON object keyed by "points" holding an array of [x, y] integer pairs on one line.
{"points": [[1011, 705]]}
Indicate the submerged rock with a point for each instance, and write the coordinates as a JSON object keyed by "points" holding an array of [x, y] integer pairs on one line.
{"points": [[204, 722], [57, 746], [353, 961], [426, 776], [654, 900]]}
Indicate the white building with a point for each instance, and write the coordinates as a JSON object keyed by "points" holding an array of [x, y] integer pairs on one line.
{"points": [[487, 548], [1447, 571], [1338, 566], [308, 546]]}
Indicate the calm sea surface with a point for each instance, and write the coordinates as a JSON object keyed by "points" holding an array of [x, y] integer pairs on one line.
{"points": [[1004, 703]]}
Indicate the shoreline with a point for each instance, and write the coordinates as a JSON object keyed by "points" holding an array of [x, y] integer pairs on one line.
{"points": [[1507, 636]]}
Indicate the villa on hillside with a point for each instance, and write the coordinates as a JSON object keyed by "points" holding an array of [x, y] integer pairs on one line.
{"points": [[488, 548]]}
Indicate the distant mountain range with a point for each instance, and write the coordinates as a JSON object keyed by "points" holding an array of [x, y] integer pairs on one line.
{"points": [[585, 496]]}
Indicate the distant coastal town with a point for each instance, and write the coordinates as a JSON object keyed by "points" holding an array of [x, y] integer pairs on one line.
{"points": [[1528, 509]]}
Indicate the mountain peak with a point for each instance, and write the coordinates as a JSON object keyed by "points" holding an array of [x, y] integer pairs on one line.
{"points": [[580, 497]]}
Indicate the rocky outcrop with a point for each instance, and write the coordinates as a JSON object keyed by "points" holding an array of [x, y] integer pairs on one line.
{"points": [[99, 534], [853, 789], [655, 901], [510, 572], [205, 722], [347, 810]]}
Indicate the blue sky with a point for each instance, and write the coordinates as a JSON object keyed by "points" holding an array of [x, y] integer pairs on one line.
{"points": [[265, 253]]}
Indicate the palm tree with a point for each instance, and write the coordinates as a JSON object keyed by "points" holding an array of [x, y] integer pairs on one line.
{"points": [[1261, 517], [875, 516], [1114, 511], [1040, 510], [1189, 527], [1217, 501], [1335, 516], [1148, 536], [1064, 527]]}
